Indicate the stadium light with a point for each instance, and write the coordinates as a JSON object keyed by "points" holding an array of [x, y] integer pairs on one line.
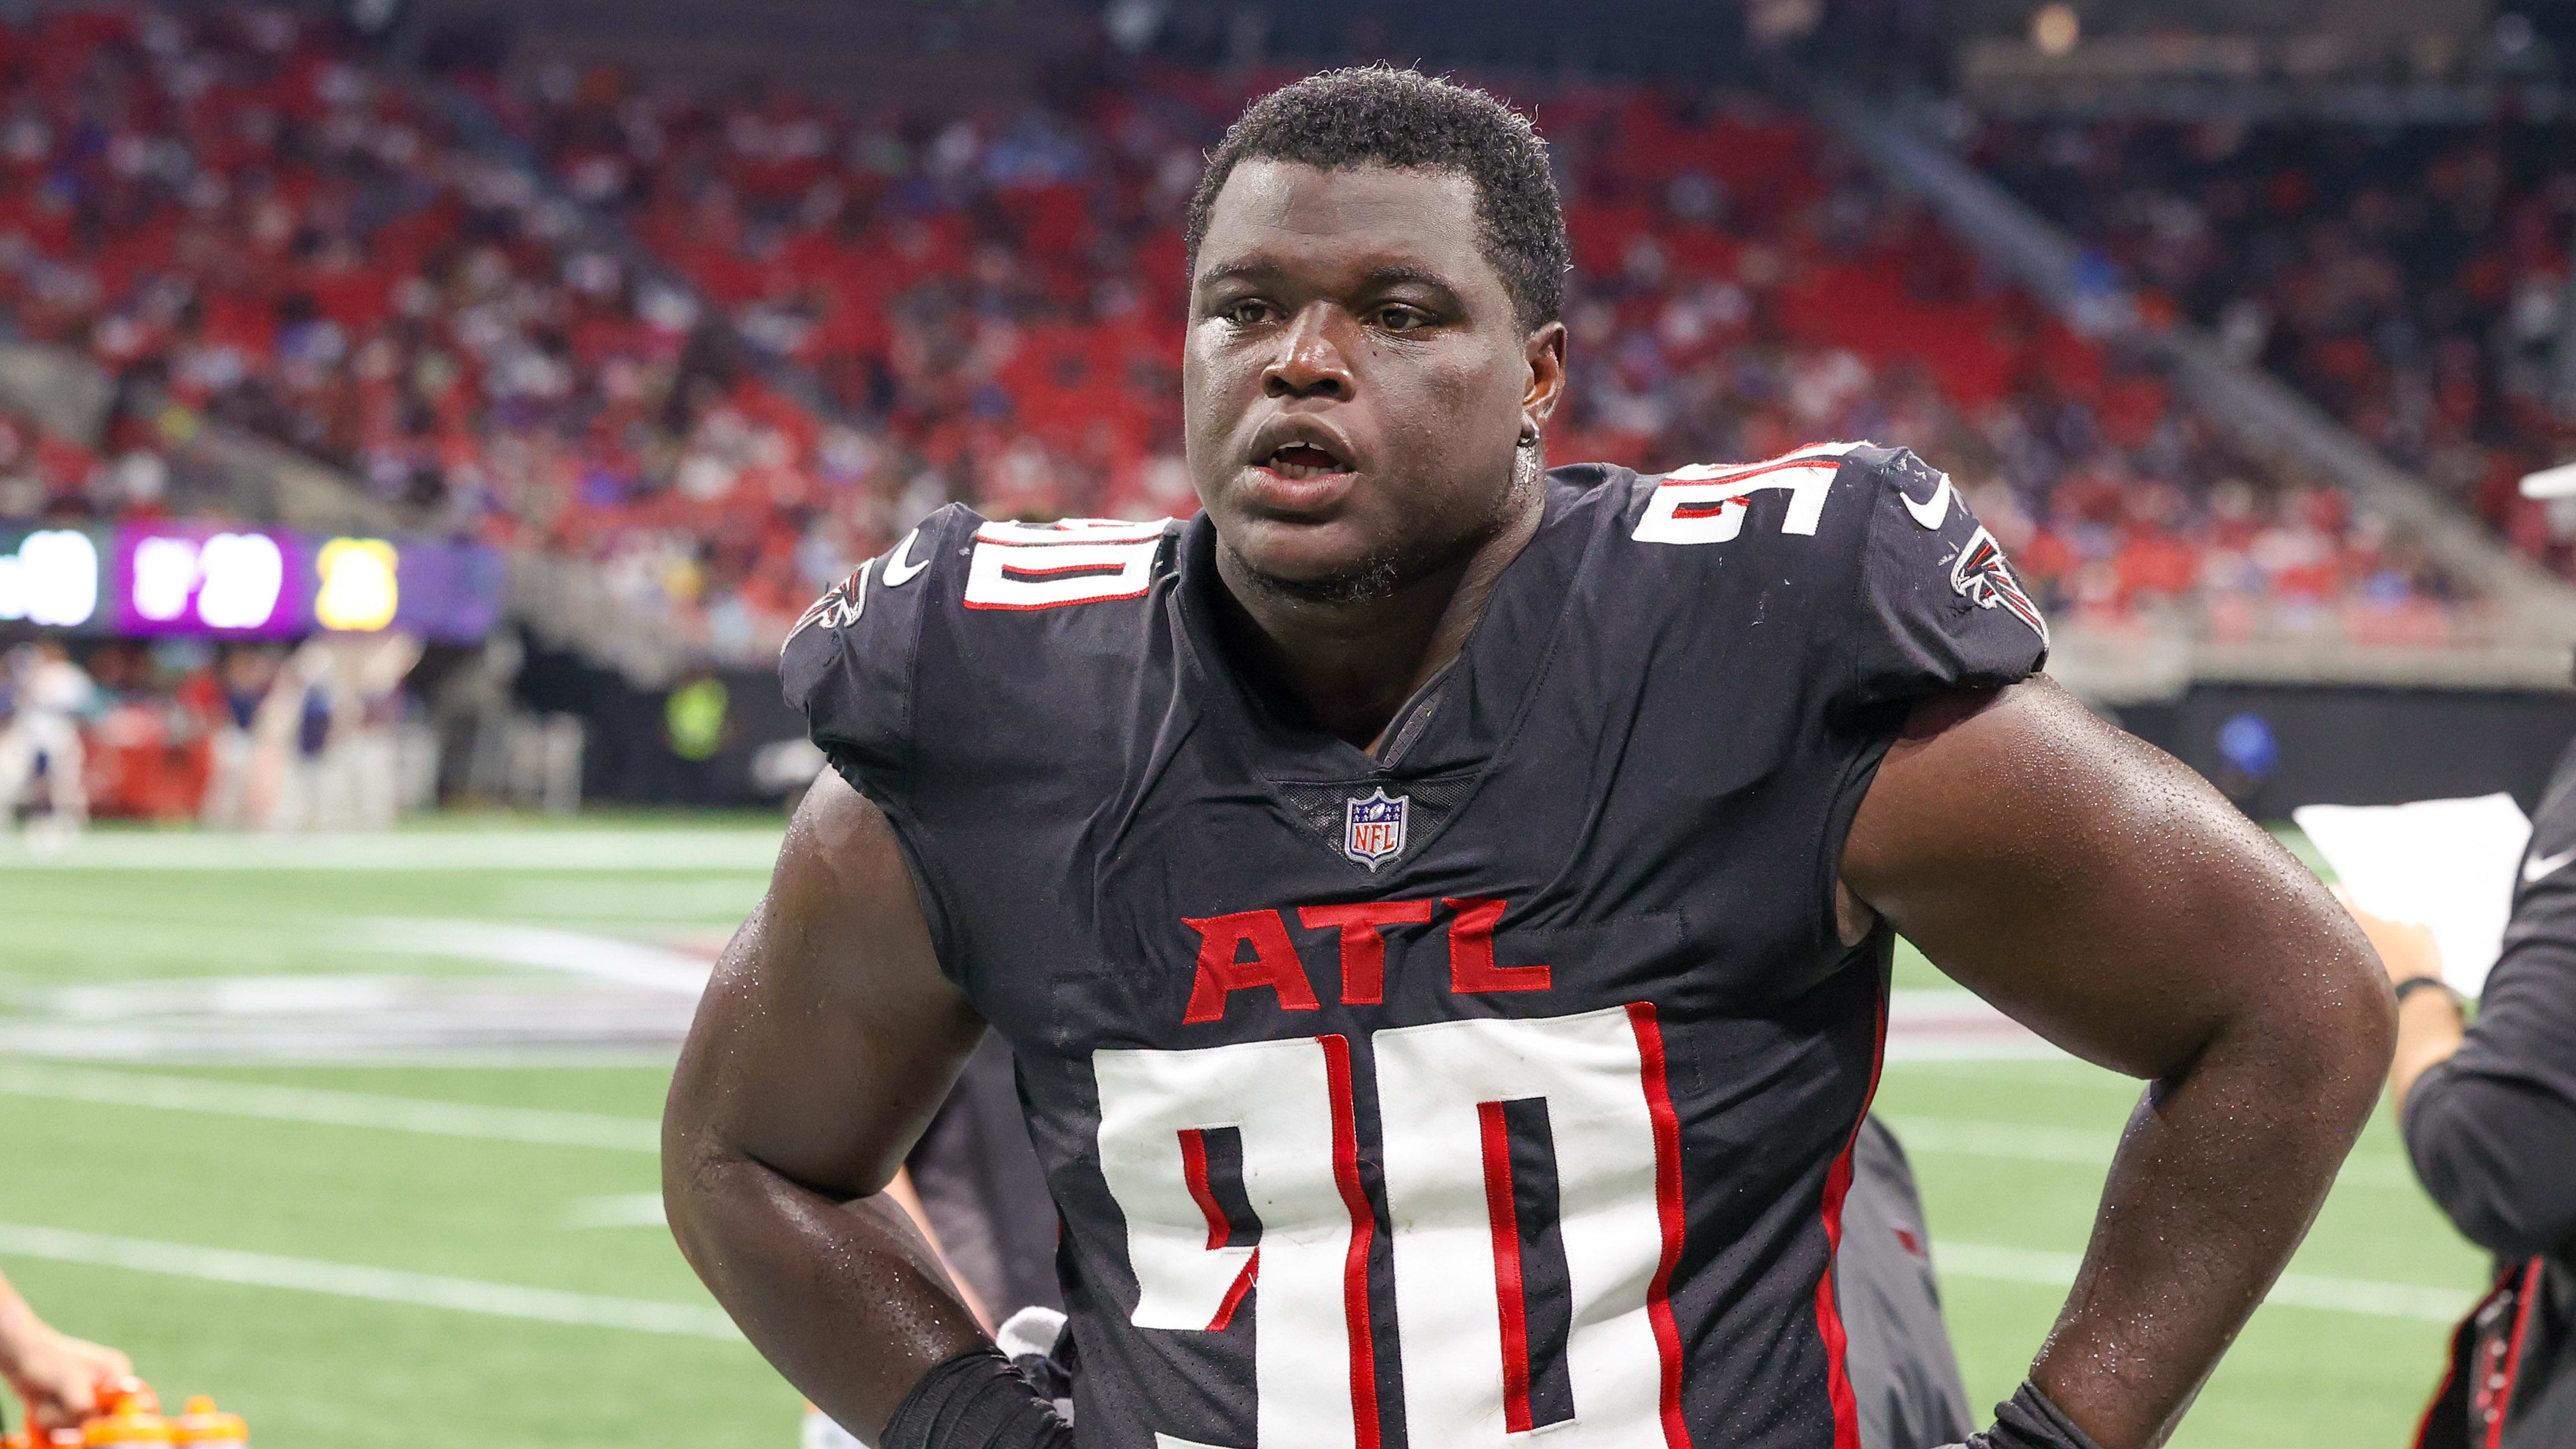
{"points": [[2055, 28], [165, 578], [359, 591], [52, 580], [2558, 482], [244, 575]]}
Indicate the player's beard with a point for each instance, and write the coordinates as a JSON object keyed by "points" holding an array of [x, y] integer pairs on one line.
{"points": [[1382, 573]]}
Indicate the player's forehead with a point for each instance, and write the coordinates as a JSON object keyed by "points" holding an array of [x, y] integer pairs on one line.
{"points": [[1338, 226]]}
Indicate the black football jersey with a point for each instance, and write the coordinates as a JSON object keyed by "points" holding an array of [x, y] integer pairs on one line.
{"points": [[1505, 1081]]}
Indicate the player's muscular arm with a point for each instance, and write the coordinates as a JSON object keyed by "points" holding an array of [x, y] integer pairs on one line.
{"points": [[826, 1040], [2101, 893]]}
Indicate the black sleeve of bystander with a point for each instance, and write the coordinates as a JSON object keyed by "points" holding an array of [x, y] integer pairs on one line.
{"points": [[2492, 1130]]}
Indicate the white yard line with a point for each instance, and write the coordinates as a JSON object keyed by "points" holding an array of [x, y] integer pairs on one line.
{"points": [[549, 1305], [618, 1210], [1930, 1136], [2065, 1071], [2026, 1142], [334, 1108], [636, 1134], [351, 1280], [542, 948], [2295, 1290], [462, 850]]}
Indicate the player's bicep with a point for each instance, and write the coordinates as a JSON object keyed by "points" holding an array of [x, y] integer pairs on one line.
{"points": [[2086, 883], [827, 1036]]}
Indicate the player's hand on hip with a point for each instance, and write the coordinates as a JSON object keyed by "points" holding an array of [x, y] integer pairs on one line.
{"points": [[58, 1375]]}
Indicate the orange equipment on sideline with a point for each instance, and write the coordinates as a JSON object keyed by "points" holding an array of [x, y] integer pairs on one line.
{"points": [[202, 1425], [129, 1416]]}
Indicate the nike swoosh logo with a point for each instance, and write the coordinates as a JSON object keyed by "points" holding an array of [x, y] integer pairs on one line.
{"points": [[1931, 511], [897, 572], [2542, 867]]}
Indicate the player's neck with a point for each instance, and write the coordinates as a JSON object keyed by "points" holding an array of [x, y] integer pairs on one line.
{"points": [[1353, 665]]}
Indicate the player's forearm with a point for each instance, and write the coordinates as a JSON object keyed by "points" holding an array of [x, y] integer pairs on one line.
{"points": [[843, 1297], [2222, 1168]]}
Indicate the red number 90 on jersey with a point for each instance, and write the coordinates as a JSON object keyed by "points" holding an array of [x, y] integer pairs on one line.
{"points": [[1464, 1103]]}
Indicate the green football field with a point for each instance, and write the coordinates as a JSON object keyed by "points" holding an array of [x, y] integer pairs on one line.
{"points": [[358, 1136]]}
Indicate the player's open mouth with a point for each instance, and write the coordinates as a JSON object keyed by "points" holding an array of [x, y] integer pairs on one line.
{"points": [[1299, 462]]}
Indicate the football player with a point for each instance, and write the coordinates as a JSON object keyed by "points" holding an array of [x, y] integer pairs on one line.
{"points": [[1441, 908]]}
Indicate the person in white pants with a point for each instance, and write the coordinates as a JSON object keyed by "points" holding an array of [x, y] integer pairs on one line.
{"points": [[52, 693]]}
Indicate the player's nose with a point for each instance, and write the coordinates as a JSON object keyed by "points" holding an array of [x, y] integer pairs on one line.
{"points": [[1310, 361]]}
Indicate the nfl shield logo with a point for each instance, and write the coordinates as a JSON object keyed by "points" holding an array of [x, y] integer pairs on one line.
{"points": [[1374, 828]]}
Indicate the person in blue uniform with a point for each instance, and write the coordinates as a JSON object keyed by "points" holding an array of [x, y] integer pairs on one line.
{"points": [[1440, 907]]}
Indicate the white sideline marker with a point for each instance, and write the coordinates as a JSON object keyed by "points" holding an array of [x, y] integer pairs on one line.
{"points": [[2294, 1290], [380, 1285], [2027, 1142], [338, 1109]]}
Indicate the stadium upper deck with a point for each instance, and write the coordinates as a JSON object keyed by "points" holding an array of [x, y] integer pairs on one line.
{"points": [[1003, 292], [2412, 278], [246, 216]]}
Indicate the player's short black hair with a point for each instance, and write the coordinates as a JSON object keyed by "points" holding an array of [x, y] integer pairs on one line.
{"points": [[1380, 116]]}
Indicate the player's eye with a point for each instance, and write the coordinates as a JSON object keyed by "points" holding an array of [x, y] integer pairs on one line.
{"points": [[1396, 317], [1244, 313]]}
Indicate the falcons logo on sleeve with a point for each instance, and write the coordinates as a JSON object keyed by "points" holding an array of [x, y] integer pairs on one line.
{"points": [[840, 606], [1982, 577]]}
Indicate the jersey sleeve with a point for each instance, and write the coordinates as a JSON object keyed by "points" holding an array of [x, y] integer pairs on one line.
{"points": [[1938, 605], [849, 665]]}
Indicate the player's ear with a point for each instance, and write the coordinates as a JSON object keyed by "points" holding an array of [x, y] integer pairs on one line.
{"points": [[1545, 353]]}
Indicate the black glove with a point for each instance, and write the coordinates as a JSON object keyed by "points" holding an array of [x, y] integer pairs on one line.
{"points": [[2028, 1420], [975, 1401]]}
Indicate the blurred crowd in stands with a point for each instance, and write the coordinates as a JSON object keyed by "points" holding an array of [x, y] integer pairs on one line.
{"points": [[1001, 298], [2413, 280], [242, 220], [261, 736], [868, 313]]}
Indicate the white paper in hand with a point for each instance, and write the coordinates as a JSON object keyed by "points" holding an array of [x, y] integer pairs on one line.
{"points": [[2445, 864]]}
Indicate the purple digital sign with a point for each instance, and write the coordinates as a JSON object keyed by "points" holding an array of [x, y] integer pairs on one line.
{"points": [[209, 580], [450, 591], [238, 583]]}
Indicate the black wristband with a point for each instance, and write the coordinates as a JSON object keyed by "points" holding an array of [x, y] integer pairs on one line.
{"points": [[2029, 1420], [975, 1401], [2413, 984]]}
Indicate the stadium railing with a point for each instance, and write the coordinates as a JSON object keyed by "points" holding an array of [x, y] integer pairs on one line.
{"points": [[214, 466]]}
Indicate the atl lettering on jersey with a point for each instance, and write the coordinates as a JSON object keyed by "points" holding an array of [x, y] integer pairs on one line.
{"points": [[1503, 1081]]}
